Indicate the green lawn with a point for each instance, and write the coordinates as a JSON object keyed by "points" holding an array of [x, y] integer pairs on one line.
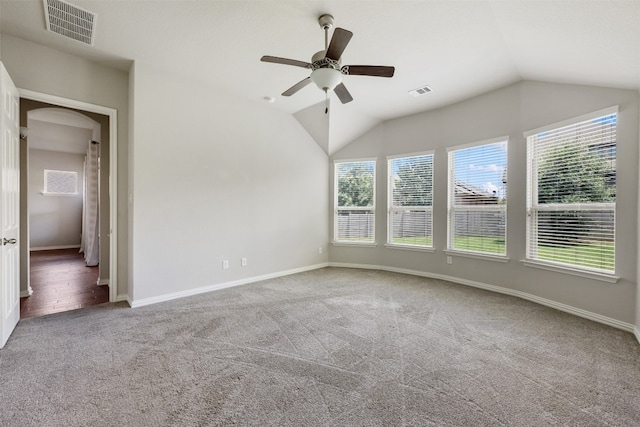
{"points": [[490, 245], [478, 244], [417, 240], [600, 256]]}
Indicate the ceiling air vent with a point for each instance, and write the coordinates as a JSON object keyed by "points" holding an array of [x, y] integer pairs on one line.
{"points": [[420, 91], [70, 21]]}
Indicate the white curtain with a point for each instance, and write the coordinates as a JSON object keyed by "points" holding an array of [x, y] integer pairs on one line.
{"points": [[90, 244]]}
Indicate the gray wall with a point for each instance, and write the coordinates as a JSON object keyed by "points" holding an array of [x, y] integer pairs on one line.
{"points": [[49, 71], [54, 221], [507, 112], [215, 177]]}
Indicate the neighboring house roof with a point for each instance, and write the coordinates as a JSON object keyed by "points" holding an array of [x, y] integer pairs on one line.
{"points": [[470, 194]]}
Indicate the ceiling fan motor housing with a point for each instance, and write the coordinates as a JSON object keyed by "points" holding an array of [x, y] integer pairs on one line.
{"points": [[318, 56]]}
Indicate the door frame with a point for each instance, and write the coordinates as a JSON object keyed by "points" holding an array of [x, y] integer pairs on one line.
{"points": [[113, 171]]}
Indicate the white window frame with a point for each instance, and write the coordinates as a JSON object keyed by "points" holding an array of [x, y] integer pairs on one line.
{"points": [[337, 209], [533, 207], [51, 193], [453, 208], [392, 209]]}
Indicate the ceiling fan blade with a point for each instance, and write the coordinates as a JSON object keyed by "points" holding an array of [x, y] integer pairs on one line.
{"points": [[296, 87], [371, 70], [285, 61], [339, 42], [343, 94]]}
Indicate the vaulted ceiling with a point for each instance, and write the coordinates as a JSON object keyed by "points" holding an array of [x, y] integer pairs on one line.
{"points": [[459, 48]]}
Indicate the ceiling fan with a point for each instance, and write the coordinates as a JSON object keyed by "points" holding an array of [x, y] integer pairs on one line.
{"points": [[326, 67]]}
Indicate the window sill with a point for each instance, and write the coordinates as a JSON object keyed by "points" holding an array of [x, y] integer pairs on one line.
{"points": [[486, 257], [409, 247], [59, 194], [604, 277], [355, 244]]}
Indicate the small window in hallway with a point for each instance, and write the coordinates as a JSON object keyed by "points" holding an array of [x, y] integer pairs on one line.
{"points": [[60, 182]]}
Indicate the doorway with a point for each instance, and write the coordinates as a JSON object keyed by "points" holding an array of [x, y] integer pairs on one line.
{"points": [[63, 258], [63, 204]]}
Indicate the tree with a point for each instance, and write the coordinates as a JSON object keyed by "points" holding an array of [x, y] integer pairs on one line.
{"points": [[414, 184], [571, 173], [355, 185]]}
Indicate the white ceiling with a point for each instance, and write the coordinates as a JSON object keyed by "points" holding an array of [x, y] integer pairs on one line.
{"points": [[459, 48]]}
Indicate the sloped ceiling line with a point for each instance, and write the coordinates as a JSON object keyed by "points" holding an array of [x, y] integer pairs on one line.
{"points": [[337, 128]]}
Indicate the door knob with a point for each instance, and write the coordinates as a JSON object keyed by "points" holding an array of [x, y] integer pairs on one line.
{"points": [[6, 241]]}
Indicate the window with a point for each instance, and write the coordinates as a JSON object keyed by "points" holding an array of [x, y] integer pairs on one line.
{"points": [[60, 182], [411, 200], [571, 193], [355, 201], [478, 197]]}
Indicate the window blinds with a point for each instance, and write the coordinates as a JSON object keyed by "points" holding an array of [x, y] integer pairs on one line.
{"points": [[411, 200], [571, 194], [355, 201], [478, 197]]}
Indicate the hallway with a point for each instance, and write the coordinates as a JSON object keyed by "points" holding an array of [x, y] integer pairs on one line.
{"points": [[61, 281]]}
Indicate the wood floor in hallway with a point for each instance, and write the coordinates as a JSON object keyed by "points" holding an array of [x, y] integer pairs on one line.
{"points": [[61, 281]]}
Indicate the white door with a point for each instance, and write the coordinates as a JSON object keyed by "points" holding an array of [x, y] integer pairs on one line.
{"points": [[9, 207]]}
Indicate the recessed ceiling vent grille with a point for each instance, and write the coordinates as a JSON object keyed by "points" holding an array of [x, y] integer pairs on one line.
{"points": [[420, 91], [70, 21]]}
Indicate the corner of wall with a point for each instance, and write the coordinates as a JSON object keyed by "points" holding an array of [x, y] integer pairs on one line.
{"points": [[130, 181], [637, 323]]}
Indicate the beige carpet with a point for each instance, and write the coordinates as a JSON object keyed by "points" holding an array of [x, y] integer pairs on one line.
{"points": [[327, 347]]}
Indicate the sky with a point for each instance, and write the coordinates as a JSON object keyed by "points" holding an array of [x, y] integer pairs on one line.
{"points": [[482, 166]]}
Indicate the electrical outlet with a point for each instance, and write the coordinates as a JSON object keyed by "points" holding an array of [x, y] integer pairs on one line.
{"points": [[449, 260], [243, 262], [320, 250], [225, 264]]}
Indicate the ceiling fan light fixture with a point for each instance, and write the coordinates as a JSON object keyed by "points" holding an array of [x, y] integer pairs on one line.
{"points": [[326, 78]]}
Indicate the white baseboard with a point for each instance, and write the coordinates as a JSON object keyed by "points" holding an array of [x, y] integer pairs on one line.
{"points": [[102, 282], [53, 248], [26, 293], [543, 301], [175, 295]]}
